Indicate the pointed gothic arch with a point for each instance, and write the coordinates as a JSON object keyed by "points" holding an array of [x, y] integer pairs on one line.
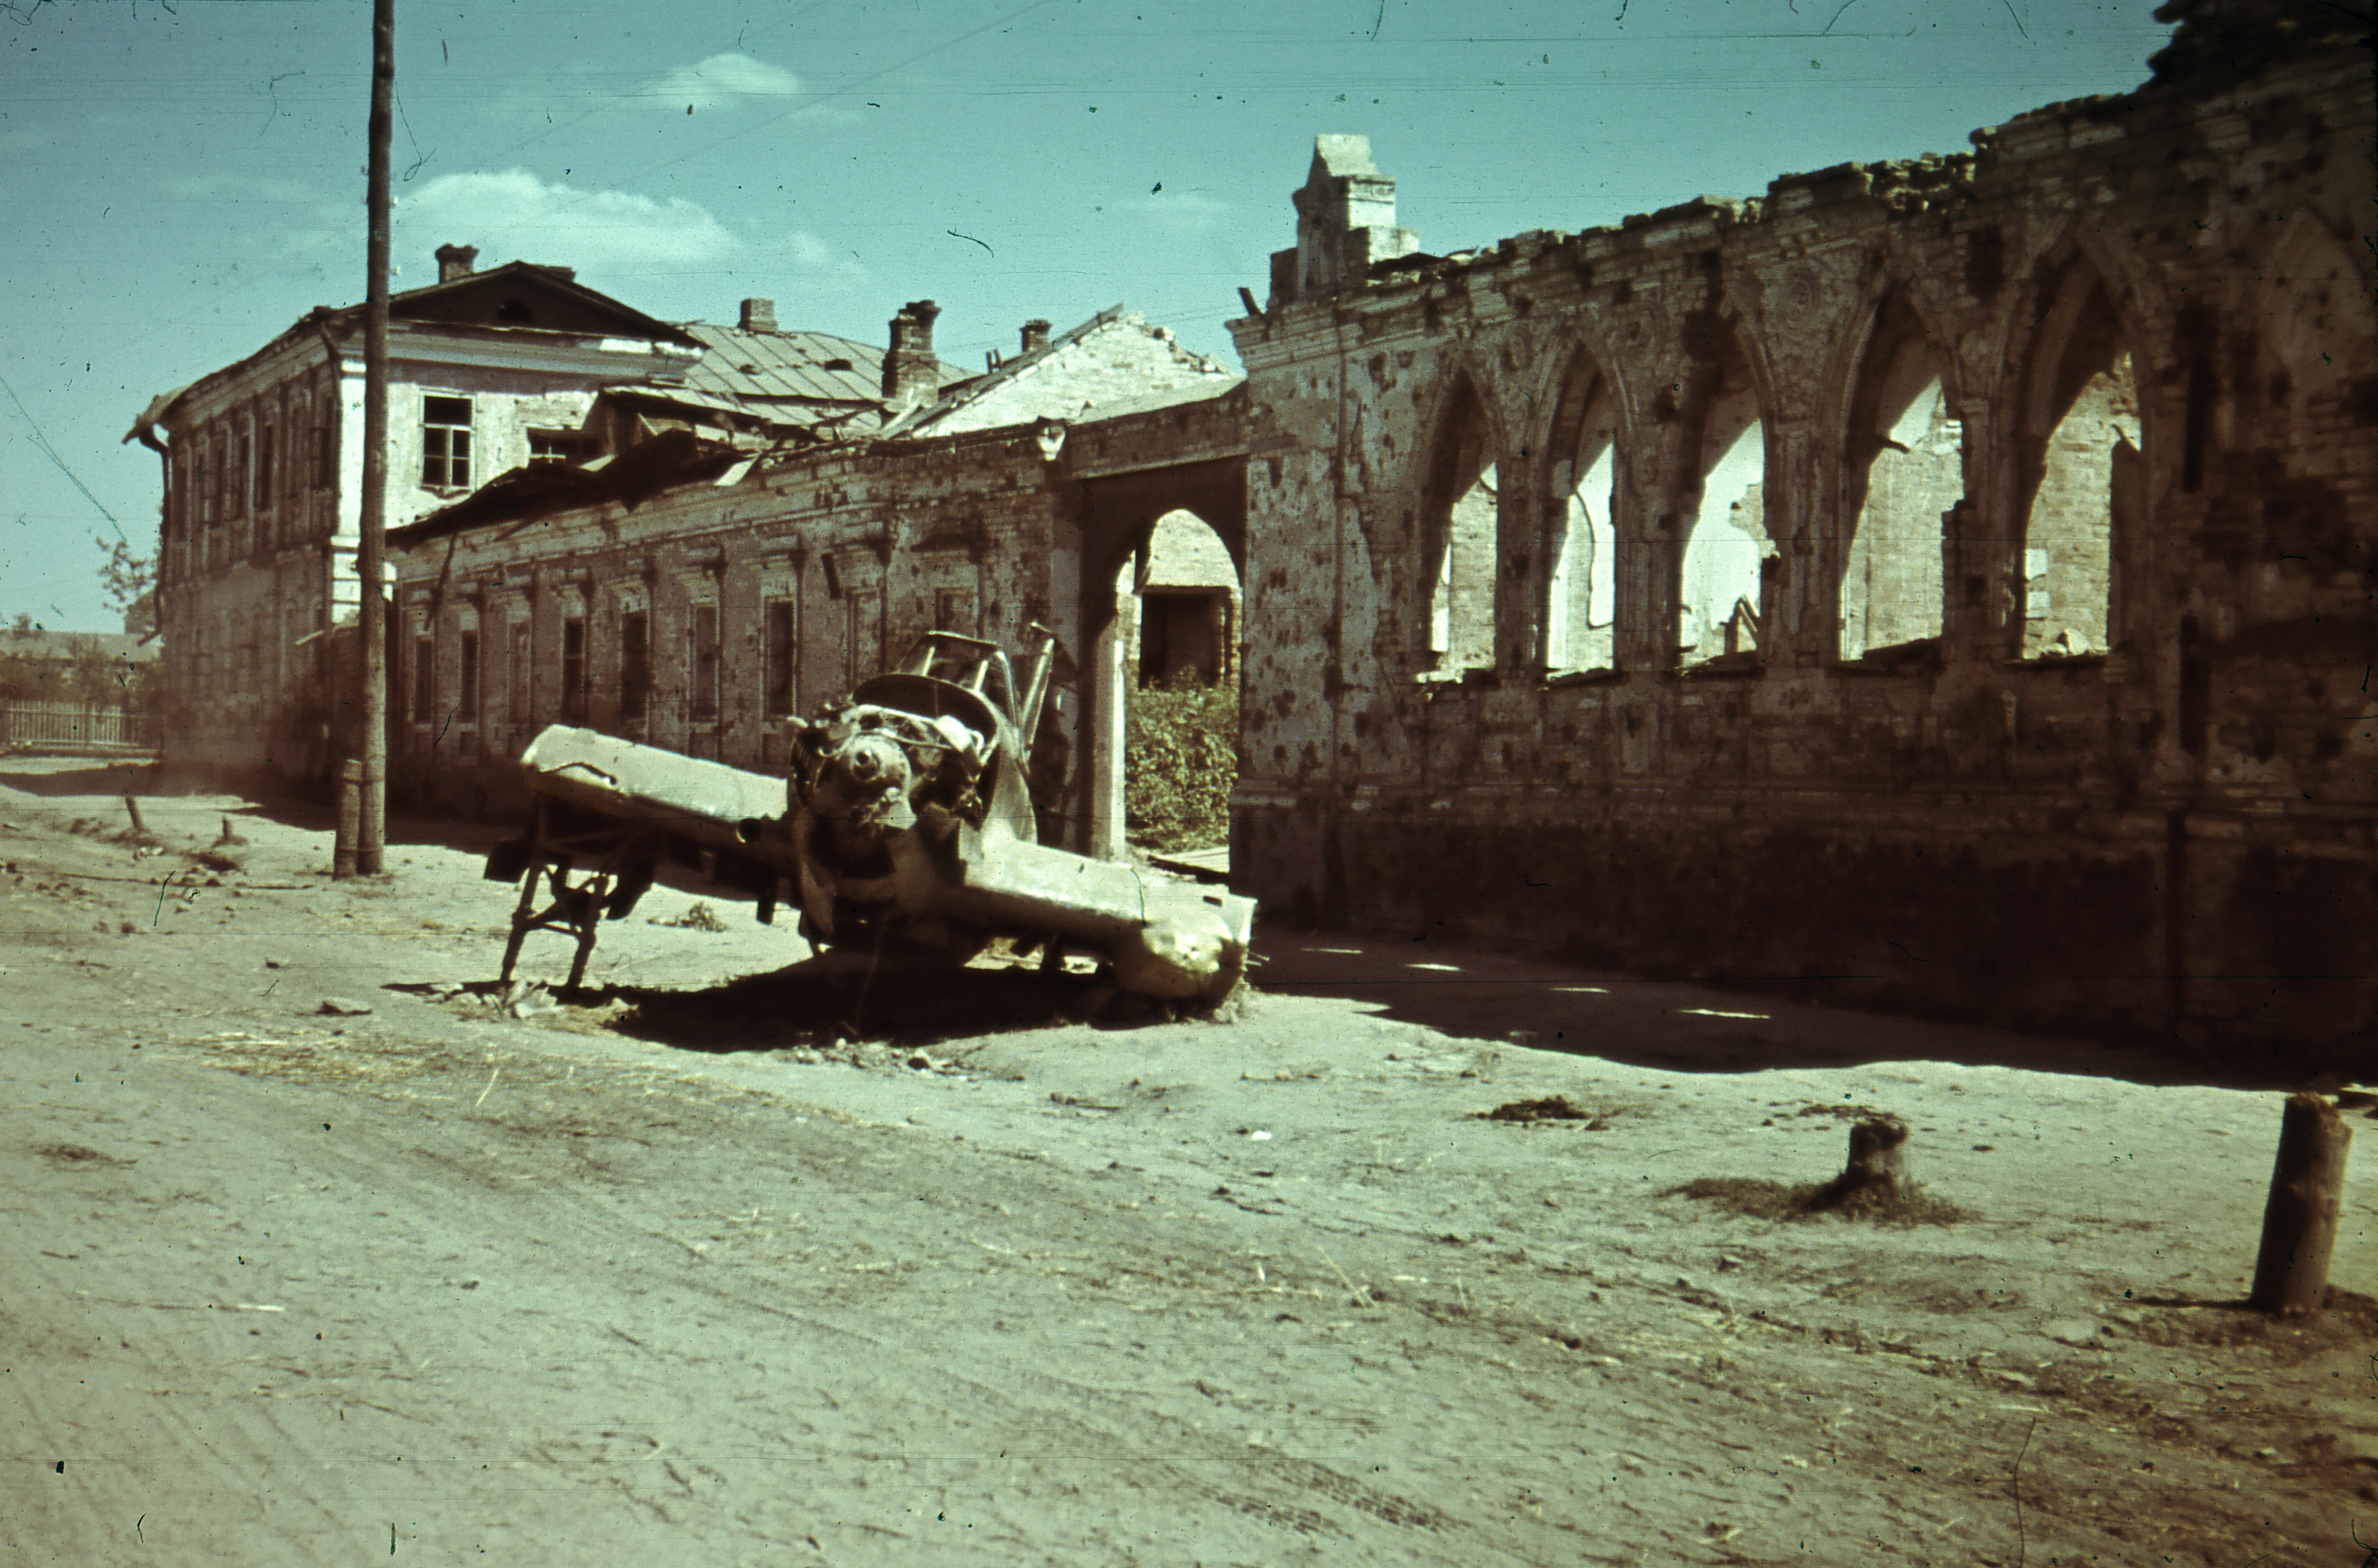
{"points": [[1580, 545], [2079, 472], [1902, 477], [1461, 502], [1722, 547]]}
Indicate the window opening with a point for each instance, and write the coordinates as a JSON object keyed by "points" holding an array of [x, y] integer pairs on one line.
{"points": [[425, 679], [1460, 527], [567, 446], [702, 702], [466, 704], [517, 669], [635, 663], [573, 670], [446, 443], [1582, 601], [1719, 597], [777, 629], [2085, 422], [1906, 473]]}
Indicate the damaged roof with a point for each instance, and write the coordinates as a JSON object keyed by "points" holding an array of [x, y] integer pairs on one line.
{"points": [[762, 369], [670, 460]]}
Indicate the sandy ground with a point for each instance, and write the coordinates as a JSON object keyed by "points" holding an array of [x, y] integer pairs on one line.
{"points": [[750, 1263]]}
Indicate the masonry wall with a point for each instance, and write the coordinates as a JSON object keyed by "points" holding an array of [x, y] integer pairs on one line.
{"points": [[856, 554], [2150, 318]]}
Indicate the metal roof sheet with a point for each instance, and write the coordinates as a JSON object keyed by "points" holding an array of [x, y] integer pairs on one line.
{"points": [[761, 368]]}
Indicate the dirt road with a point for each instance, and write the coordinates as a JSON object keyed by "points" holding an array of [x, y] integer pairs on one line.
{"points": [[706, 1274]]}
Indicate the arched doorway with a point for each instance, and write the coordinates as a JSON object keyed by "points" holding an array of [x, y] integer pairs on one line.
{"points": [[1179, 594]]}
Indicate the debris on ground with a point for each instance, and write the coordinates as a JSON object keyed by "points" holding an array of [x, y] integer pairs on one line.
{"points": [[699, 917], [1551, 1107], [340, 1006]]}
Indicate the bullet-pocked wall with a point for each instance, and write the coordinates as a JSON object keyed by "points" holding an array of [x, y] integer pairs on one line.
{"points": [[1947, 582]]}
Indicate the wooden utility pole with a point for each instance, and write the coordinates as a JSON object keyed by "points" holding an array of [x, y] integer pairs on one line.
{"points": [[363, 805]]}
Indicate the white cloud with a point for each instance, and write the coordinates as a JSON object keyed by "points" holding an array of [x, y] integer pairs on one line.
{"points": [[720, 82], [806, 253], [1186, 213], [244, 187], [516, 215]]}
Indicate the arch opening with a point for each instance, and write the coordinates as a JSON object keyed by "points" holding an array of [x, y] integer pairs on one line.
{"points": [[2082, 441], [1461, 503], [1720, 578], [1903, 477], [1580, 606], [1176, 669]]}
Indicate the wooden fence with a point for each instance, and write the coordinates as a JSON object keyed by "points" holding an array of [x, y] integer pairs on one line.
{"points": [[71, 724]]}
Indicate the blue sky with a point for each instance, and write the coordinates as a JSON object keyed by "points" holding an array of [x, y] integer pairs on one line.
{"points": [[180, 183]]}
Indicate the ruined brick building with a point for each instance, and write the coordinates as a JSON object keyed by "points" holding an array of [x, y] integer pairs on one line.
{"points": [[696, 593], [262, 464], [1947, 582]]}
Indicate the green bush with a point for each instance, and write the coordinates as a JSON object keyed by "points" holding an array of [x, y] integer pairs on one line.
{"points": [[1180, 755]]}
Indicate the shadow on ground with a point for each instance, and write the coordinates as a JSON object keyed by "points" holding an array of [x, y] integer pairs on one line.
{"points": [[46, 778], [1675, 1026], [838, 999]]}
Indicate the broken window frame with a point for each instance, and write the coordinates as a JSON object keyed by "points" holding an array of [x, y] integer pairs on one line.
{"points": [[566, 448], [446, 442]]}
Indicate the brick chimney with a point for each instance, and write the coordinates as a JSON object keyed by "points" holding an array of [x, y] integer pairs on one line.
{"points": [[911, 374], [758, 316], [454, 261], [1036, 335]]}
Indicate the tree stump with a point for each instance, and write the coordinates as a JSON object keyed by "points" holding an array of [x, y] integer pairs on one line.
{"points": [[1878, 1158], [1877, 1169], [2307, 1198]]}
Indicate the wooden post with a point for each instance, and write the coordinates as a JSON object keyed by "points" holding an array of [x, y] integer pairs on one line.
{"points": [[133, 806], [1878, 1156], [2307, 1197]]}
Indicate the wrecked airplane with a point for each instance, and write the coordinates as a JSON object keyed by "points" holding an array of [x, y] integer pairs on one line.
{"points": [[904, 827]]}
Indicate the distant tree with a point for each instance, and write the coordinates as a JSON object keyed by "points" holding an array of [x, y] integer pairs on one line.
{"points": [[20, 678], [131, 579], [91, 678]]}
